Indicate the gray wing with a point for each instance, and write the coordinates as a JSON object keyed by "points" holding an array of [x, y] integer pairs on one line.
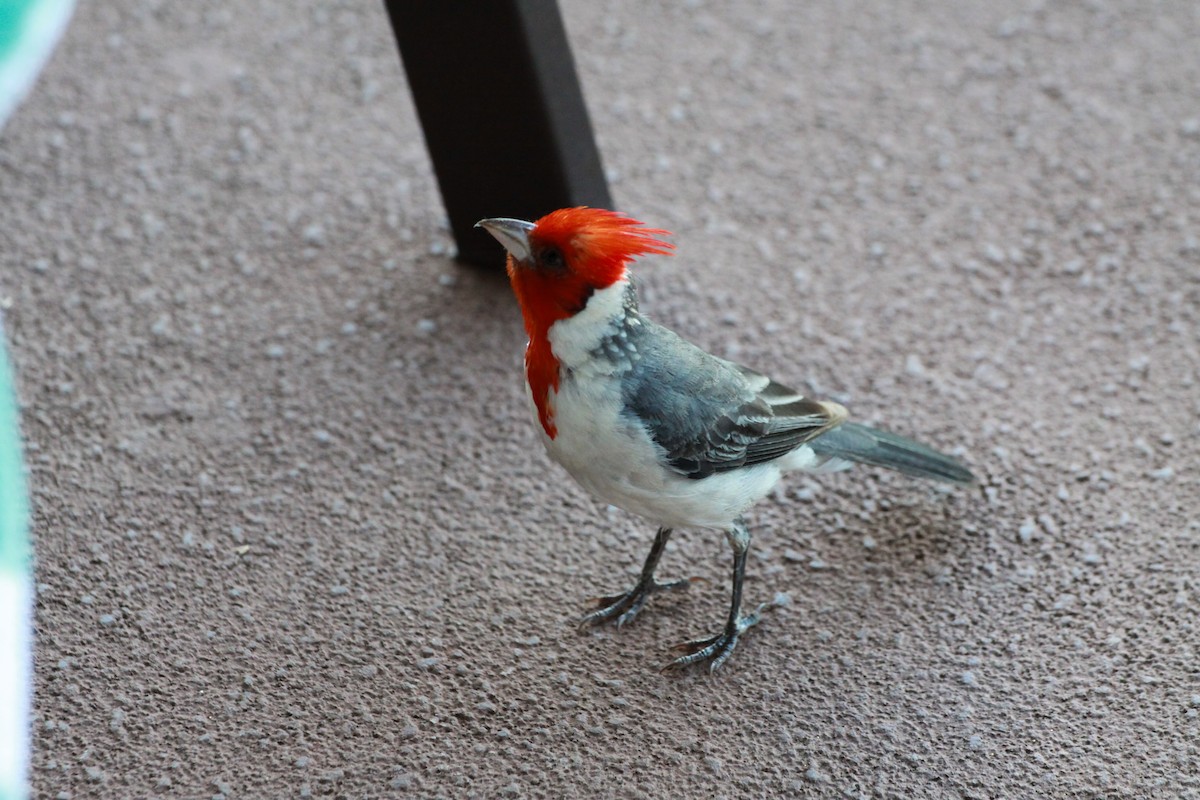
{"points": [[711, 415]]}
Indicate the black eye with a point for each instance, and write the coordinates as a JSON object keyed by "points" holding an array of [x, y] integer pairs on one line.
{"points": [[552, 258]]}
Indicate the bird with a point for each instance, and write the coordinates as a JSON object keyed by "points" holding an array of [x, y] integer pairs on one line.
{"points": [[653, 424]]}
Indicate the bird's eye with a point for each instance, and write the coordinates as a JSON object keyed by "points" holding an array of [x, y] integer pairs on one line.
{"points": [[552, 258]]}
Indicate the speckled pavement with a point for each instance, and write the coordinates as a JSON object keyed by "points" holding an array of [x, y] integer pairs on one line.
{"points": [[295, 535]]}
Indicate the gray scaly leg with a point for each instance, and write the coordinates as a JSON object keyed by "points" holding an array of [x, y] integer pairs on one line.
{"points": [[624, 607], [717, 648]]}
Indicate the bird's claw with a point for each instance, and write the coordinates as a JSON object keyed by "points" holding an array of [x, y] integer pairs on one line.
{"points": [[622, 608], [717, 648]]}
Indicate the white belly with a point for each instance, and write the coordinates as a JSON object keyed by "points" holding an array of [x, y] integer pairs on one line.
{"points": [[615, 459]]}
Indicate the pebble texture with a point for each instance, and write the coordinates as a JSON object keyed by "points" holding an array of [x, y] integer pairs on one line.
{"points": [[295, 535]]}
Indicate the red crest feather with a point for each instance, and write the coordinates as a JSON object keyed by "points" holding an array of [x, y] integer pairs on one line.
{"points": [[596, 243]]}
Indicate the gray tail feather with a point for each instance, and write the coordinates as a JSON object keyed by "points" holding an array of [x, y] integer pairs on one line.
{"points": [[867, 445]]}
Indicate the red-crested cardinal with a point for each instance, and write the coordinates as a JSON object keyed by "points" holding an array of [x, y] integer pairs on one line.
{"points": [[653, 424]]}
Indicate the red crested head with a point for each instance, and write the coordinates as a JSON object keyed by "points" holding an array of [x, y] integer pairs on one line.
{"points": [[571, 253], [555, 264], [593, 245]]}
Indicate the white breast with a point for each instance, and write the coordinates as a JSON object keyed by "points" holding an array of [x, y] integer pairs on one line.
{"points": [[614, 458], [611, 454]]}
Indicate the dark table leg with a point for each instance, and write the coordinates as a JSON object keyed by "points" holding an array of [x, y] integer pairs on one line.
{"points": [[503, 114]]}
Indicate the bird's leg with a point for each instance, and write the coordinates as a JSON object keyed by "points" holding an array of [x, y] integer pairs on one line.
{"points": [[716, 649], [624, 607]]}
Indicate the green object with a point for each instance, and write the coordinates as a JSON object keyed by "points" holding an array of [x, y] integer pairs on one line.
{"points": [[14, 511], [29, 30], [14, 546], [16, 595]]}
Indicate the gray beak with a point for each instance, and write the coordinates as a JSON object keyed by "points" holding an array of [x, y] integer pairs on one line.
{"points": [[512, 233]]}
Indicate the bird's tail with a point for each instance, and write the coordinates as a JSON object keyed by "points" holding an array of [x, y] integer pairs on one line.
{"points": [[866, 445]]}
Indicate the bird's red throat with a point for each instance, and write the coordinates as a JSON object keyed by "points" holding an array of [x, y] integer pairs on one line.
{"points": [[545, 300]]}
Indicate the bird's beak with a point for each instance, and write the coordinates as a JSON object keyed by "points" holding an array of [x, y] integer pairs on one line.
{"points": [[512, 233]]}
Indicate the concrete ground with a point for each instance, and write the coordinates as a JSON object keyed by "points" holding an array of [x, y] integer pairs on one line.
{"points": [[295, 535]]}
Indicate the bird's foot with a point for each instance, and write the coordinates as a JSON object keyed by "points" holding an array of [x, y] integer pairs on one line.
{"points": [[622, 608], [717, 648]]}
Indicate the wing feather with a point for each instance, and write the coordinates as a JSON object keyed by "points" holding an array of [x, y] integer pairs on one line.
{"points": [[711, 415]]}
